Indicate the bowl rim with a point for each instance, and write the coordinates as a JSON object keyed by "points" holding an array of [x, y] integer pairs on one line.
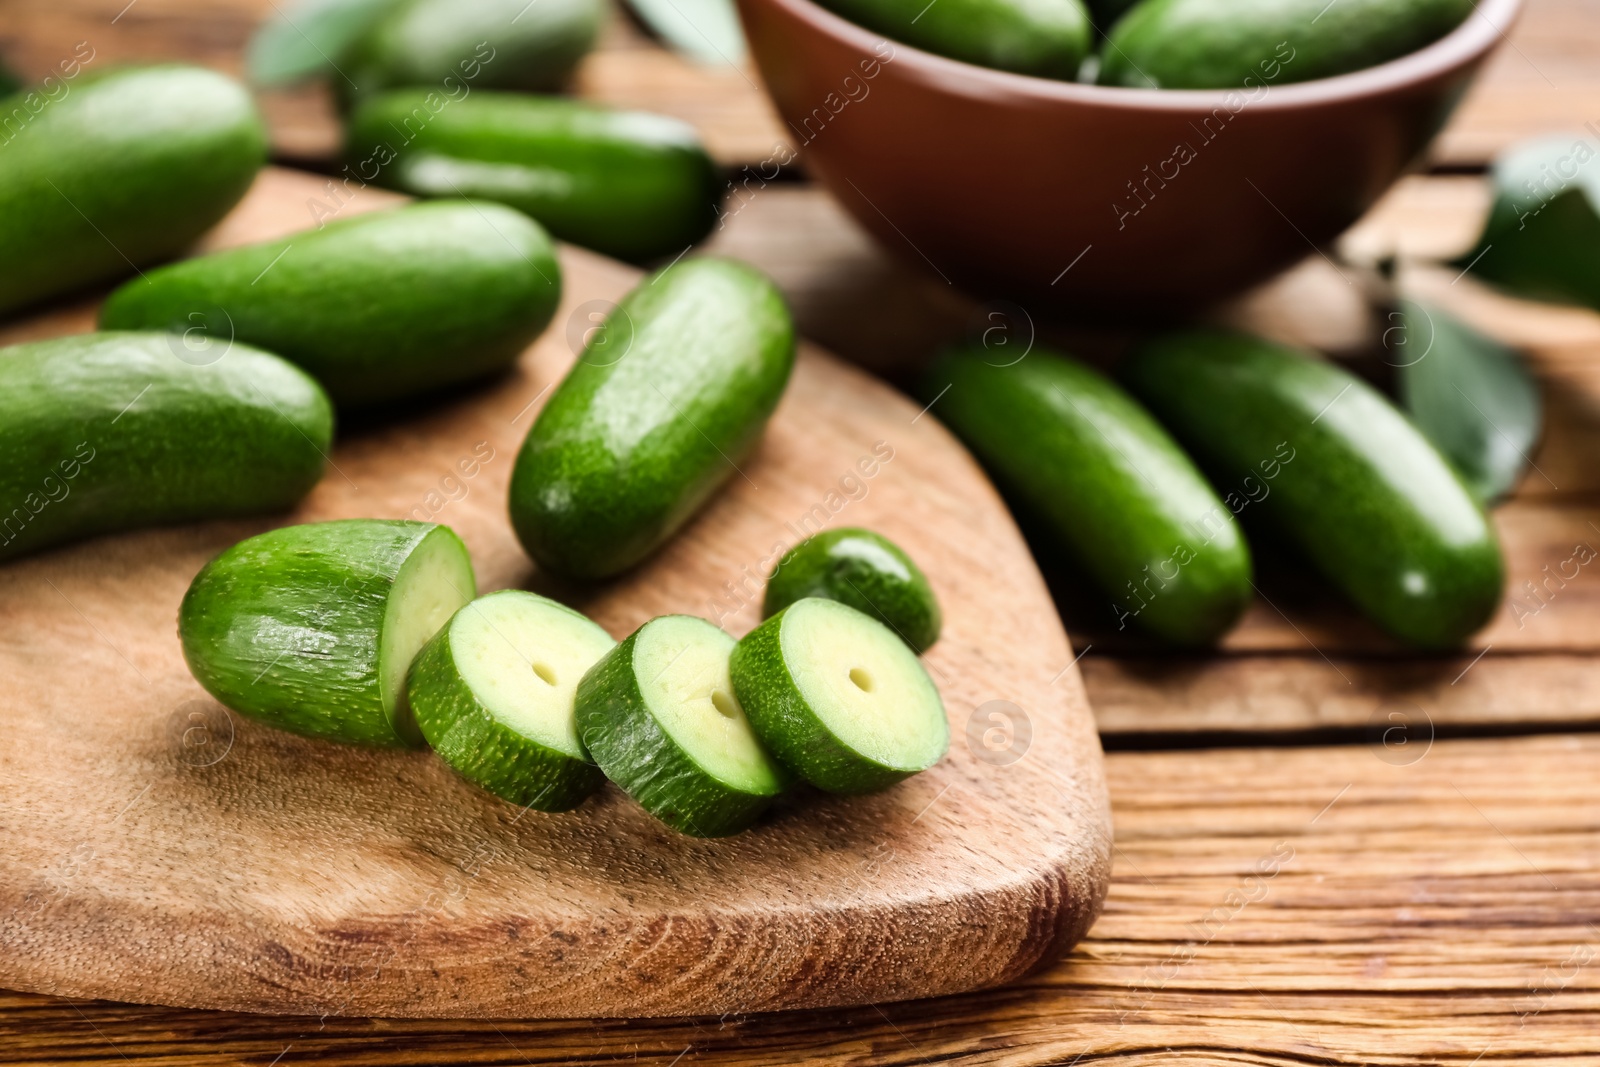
{"points": [[1468, 42]]}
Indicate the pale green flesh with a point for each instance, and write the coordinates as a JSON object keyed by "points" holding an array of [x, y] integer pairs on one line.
{"points": [[434, 582], [682, 667], [523, 656], [863, 683]]}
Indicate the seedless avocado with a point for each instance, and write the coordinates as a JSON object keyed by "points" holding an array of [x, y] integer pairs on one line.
{"points": [[1107, 484], [659, 411], [125, 168], [865, 570], [1366, 498], [114, 431], [1245, 44], [838, 698], [659, 716], [493, 694], [476, 44], [312, 628], [378, 307], [625, 183], [1047, 38]]}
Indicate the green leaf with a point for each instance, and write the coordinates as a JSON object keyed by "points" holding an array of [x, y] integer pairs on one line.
{"points": [[706, 31], [1542, 239], [306, 39], [1470, 395]]}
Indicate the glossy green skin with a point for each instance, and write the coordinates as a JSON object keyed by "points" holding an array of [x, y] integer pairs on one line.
{"points": [[1047, 38], [379, 307], [1365, 498], [1245, 44], [1542, 237], [481, 44], [481, 748], [790, 729], [1112, 488], [126, 168], [653, 420], [112, 431], [616, 726], [865, 570], [625, 183], [285, 627]]}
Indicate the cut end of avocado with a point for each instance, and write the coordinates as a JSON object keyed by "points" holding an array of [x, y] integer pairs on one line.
{"points": [[660, 716], [435, 582], [522, 656], [864, 686], [682, 666], [494, 695]]}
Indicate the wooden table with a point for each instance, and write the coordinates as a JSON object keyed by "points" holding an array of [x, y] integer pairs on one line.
{"points": [[1328, 851]]}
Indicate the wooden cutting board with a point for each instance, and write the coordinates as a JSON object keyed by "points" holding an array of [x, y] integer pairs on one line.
{"points": [[158, 848]]}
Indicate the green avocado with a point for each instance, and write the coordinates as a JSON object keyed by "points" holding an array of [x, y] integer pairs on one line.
{"points": [[627, 184], [666, 401], [476, 44], [104, 432], [493, 693], [1046, 38], [659, 716], [313, 628], [1357, 490], [1248, 44], [1111, 487], [838, 698], [865, 570], [115, 171], [378, 307]]}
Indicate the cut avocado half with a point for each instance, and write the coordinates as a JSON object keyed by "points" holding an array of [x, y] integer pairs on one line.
{"points": [[839, 698], [311, 628], [493, 694], [660, 717]]}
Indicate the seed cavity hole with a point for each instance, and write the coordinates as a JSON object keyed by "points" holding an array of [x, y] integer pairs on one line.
{"points": [[546, 674], [862, 680], [724, 703]]}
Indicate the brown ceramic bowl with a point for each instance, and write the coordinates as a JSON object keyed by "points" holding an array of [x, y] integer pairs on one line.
{"points": [[1091, 197]]}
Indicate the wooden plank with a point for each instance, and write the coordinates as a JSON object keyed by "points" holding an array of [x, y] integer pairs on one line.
{"points": [[1398, 700], [1543, 79], [1269, 906]]}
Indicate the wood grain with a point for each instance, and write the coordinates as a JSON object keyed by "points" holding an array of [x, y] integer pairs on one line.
{"points": [[1544, 79], [160, 849], [1439, 911], [1364, 697]]}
